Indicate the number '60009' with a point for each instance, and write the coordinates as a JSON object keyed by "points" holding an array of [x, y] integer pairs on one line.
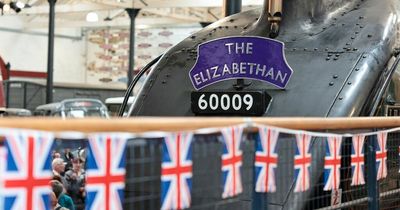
{"points": [[225, 102]]}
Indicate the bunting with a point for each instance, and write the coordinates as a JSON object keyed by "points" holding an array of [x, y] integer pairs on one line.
{"points": [[105, 174], [266, 159], [302, 162], [25, 165], [381, 155], [332, 163], [357, 160], [28, 170], [3, 162], [176, 171], [231, 161]]}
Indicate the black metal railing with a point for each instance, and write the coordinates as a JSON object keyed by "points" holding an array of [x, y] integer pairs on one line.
{"points": [[143, 171], [144, 163]]}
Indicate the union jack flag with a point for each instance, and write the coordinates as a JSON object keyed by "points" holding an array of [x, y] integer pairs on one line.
{"points": [[231, 161], [105, 174], [28, 170], [3, 162], [357, 160], [176, 171], [381, 155], [266, 160], [332, 163], [302, 162]]}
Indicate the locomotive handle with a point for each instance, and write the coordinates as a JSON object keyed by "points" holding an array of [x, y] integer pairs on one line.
{"points": [[134, 82], [263, 25]]}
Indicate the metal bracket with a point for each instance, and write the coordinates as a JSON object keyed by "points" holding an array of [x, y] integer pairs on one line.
{"points": [[275, 17]]}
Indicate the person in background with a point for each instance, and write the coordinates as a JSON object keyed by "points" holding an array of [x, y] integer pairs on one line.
{"points": [[57, 178], [62, 199], [58, 167], [68, 158], [53, 202], [75, 183], [55, 154]]}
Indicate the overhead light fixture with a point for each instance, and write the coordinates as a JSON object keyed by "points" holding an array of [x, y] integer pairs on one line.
{"points": [[20, 4], [6, 7], [92, 17], [14, 6]]}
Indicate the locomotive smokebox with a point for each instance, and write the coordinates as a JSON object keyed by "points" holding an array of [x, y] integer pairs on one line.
{"points": [[314, 58]]}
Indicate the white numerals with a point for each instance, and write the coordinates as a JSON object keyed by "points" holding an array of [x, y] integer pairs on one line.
{"points": [[202, 103], [225, 102], [214, 102], [248, 100], [236, 102]]}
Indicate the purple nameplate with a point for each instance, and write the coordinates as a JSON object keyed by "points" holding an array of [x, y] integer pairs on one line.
{"points": [[246, 57]]}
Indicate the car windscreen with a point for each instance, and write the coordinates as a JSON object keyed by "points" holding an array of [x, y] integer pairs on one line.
{"points": [[81, 109]]}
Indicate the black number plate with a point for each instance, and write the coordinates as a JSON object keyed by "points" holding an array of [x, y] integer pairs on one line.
{"points": [[252, 103]]}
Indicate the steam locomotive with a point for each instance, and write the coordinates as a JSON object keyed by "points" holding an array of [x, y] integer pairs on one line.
{"points": [[341, 55]]}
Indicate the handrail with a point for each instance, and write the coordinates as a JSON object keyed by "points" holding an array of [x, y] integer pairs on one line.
{"points": [[132, 85], [145, 124]]}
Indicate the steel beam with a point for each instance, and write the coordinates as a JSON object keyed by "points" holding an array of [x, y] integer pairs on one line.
{"points": [[132, 15], [50, 53]]}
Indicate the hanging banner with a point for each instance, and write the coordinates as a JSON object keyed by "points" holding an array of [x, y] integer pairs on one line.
{"points": [[105, 172], [231, 161], [3, 162], [302, 162], [266, 159], [25, 164], [357, 160], [381, 155], [332, 163], [176, 171], [28, 170]]}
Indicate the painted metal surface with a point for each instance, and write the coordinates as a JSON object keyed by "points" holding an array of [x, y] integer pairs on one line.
{"points": [[338, 50], [244, 57], [336, 53]]}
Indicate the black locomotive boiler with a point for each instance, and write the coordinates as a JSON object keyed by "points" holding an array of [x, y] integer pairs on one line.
{"points": [[342, 53]]}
